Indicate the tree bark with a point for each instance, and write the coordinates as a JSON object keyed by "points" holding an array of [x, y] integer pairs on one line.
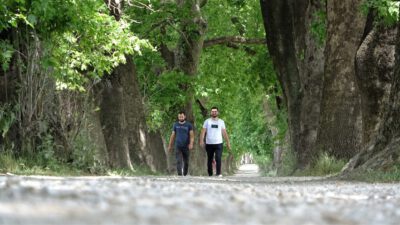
{"points": [[383, 154], [278, 21], [232, 39], [374, 69], [340, 128], [298, 60], [122, 116], [112, 117], [311, 76], [145, 147]]}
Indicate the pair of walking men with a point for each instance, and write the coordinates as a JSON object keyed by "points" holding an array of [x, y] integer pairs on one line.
{"points": [[183, 137]]}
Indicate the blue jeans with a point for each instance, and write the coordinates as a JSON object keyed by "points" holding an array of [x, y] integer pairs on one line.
{"points": [[182, 157], [215, 149]]}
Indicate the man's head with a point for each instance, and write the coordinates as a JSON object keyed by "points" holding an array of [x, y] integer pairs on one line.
{"points": [[181, 116], [214, 112]]}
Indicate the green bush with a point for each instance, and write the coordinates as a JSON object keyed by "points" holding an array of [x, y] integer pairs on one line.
{"points": [[7, 162], [325, 165]]}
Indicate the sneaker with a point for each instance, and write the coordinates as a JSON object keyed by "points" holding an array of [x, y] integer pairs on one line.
{"points": [[219, 175]]}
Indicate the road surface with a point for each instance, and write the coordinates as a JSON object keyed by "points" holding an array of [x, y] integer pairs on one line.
{"points": [[245, 198]]}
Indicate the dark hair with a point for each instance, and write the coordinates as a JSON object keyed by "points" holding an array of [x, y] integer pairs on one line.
{"points": [[182, 112], [215, 107]]}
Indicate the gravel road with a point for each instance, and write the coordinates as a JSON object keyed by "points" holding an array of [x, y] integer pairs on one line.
{"points": [[244, 198]]}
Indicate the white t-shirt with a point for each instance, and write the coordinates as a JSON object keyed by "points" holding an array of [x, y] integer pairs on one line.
{"points": [[214, 130]]}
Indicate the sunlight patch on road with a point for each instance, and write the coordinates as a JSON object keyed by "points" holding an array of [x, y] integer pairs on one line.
{"points": [[248, 170]]}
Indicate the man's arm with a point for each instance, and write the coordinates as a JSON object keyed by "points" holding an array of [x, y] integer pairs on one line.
{"points": [[171, 141], [203, 132], [191, 139], [225, 134]]}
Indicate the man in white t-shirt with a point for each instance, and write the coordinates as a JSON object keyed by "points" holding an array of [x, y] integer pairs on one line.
{"points": [[214, 129]]}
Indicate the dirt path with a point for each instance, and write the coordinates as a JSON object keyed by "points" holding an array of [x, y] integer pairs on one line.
{"points": [[242, 199]]}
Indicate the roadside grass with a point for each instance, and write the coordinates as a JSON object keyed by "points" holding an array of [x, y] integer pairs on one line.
{"points": [[34, 166], [372, 176], [325, 165]]}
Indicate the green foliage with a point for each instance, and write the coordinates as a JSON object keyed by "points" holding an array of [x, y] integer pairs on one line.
{"points": [[387, 11], [6, 52], [46, 155], [234, 18], [228, 80], [328, 165], [265, 163], [14, 13], [7, 118], [164, 93], [157, 21], [236, 80], [46, 162], [91, 45], [85, 154], [29, 166], [82, 41]]}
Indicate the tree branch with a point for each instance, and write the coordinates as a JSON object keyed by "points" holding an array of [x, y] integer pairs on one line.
{"points": [[203, 109], [203, 3], [167, 55], [233, 39]]}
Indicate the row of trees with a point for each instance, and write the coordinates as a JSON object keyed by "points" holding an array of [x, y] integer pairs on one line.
{"points": [[336, 64], [97, 84]]}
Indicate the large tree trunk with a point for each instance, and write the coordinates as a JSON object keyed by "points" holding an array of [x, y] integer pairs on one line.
{"points": [[384, 153], [146, 147], [298, 59], [374, 69], [311, 77], [122, 116], [124, 123], [112, 117], [96, 135], [340, 128]]}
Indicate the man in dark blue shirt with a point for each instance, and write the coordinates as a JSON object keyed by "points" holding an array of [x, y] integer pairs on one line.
{"points": [[183, 136]]}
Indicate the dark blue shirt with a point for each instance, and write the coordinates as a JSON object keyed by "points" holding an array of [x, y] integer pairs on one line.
{"points": [[182, 133]]}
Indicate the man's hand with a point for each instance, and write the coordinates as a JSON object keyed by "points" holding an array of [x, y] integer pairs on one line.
{"points": [[171, 142], [229, 147], [190, 146], [203, 132]]}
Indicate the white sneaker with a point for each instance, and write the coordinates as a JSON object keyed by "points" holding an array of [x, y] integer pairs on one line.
{"points": [[219, 175]]}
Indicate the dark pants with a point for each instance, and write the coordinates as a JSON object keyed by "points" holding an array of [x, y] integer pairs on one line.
{"points": [[211, 151], [182, 157]]}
